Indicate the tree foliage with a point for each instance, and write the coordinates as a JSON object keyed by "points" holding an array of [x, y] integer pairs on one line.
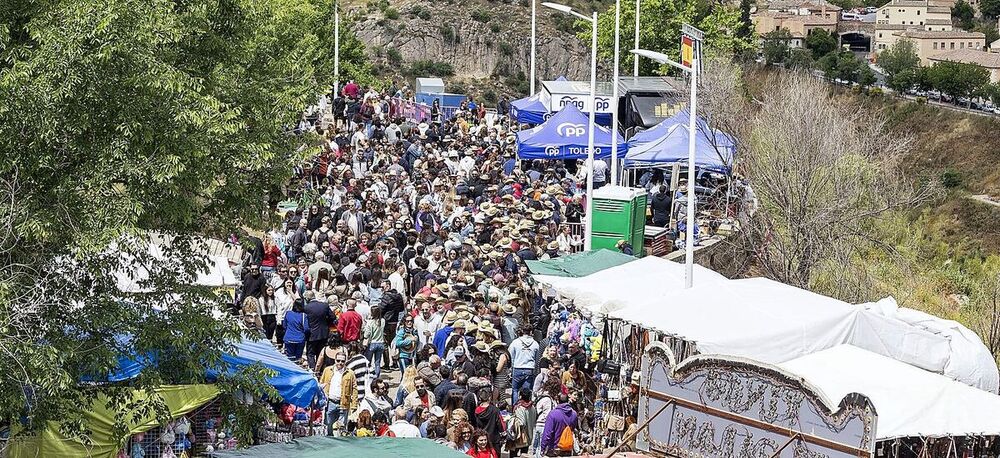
{"points": [[990, 8], [776, 46], [965, 14], [660, 30], [821, 43], [958, 79], [844, 65], [823, 171], [121, 116], [800, 59], [901, 64]]}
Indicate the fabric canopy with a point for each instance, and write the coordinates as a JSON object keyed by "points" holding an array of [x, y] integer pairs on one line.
{"points": [[565, 136], [910, 402], [620, 286], [335, 447], [529, 110], [179, 400], [296, 385], [772, 322], [579, 264], [668, 142]]}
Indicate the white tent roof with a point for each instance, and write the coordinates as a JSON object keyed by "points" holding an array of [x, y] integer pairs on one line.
{"points": [[216, 272], [626, 284], [909, 401], [773, 322]]}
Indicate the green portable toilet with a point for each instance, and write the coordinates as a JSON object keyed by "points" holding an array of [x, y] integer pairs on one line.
{"points": [[619, 213]]}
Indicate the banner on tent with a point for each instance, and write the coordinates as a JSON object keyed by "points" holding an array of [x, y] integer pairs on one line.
{"points": [[723, 406], [558, 101]]}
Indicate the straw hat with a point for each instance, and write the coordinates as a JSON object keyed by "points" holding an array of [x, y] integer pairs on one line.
{"points": [[461, 324], [497, 343], [481, 346], [553, 245], [451, 317]]}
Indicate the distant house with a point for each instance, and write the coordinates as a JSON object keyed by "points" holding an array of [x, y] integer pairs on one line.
{"points": [[930, 44], [987, 60], [799, 17], [904, 15]]}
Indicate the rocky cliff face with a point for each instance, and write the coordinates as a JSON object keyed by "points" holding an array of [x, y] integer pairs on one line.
{"points": [[480, 40]]}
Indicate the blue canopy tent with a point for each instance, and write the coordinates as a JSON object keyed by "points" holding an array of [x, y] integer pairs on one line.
{"points": [[667, 143], [529, 110], [564, 136], [296, 385]]}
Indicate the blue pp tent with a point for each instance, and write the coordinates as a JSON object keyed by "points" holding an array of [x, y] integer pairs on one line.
{"points": [[529, 110], [296, 385], [564, 136], [667, 143]]}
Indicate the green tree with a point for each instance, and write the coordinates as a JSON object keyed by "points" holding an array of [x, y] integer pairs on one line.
{"points": [[988, 28], [120, 117], [958, 79], [900, 63], [800, 59], [746, 30], [776, 46], [990, 8], [965, 14], [821, 43], [660, 30], [844, 65]]}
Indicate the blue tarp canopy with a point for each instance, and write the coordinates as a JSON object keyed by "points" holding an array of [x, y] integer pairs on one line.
{"points": [[296, 385], [529, 110], [564, 136], [667, 143]]}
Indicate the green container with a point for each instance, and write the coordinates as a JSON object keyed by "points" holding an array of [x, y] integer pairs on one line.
{"points": [[619, 214]]}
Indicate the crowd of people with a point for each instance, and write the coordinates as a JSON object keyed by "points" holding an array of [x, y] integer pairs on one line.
{"points": [[407, 254]]}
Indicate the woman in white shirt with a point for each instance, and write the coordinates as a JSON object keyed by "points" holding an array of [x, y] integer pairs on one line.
{"points": [[283, 299]]}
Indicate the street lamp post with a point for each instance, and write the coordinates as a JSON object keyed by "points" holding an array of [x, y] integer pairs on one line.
{"points": [[692, 119], [635, 59], [588, 228], [532, 84], [614, 99], [336, 49]]}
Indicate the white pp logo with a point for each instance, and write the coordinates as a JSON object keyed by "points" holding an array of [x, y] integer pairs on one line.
{"points": [[568, 129], [551, 151]]}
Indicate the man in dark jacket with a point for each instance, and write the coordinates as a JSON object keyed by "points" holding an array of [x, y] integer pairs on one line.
{"points": [[661, 204], [252, 283], [319, 317]]}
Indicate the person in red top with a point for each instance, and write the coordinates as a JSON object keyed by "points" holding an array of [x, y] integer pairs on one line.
{"points": [[272, 255], [381, 421], [481, 447], [349, 323]]}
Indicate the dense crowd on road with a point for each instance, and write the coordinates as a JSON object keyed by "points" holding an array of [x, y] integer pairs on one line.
{"points": [[406, 253]]}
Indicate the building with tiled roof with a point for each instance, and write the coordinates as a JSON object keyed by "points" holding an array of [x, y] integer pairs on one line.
{"points": [[987, 60]]}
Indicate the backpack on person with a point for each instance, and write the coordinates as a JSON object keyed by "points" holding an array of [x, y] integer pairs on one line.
{"points": [[566, 441]]}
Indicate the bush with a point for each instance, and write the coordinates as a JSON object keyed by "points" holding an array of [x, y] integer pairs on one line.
{"points": [[922, 100], [505, 49], [420, 12], [394, 56], [875, 91], [951, 179], [480, 15], [455, 88], [431, 68], [495, 28], [449, 34], [391, 14]]}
